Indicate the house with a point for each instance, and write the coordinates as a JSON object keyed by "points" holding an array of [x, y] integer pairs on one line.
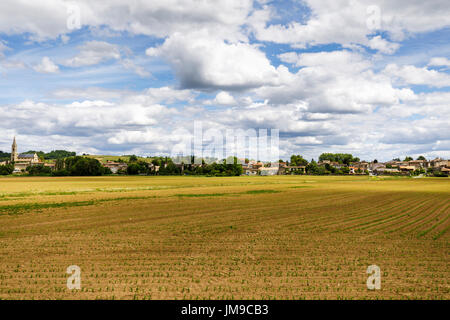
{"points": [[418, 164], [438, 163], [338, 165], [50, 165], [363, 165], [268, 171], [407, 169], [115, 167], [292, 169], [386, 171], [249, 171]]}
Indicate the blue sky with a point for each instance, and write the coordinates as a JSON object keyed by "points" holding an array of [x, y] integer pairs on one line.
{"points": [[135, 75]]}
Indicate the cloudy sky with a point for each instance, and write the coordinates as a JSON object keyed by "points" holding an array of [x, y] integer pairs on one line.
{"points": [[118, 77]]}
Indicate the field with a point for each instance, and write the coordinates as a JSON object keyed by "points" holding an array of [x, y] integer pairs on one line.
{"points": [[281, 237]]}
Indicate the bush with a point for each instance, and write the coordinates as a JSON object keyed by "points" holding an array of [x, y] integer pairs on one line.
{"points": [[81, 166], [60, 173], [39, 170], [6, 169], [440, 174]]}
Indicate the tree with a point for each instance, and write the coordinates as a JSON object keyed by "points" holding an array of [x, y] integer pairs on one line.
{"points": [[6, 169], [408, 159], [396, 159], [312, 168], [59, 154], [81, 166], [4, 156], [140, 167], [375, 161], [133, 158], [39, 170], [298, 160], [421, 158], [344, 158], [133, 169]]}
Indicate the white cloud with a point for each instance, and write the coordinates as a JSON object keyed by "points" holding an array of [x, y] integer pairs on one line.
{"points": [[12, 64], [46, 66], [204, 61], [93, 52], [382, 45], [335, 82], [347, 22], [90, 93], [3, 48], [48, 18], [439, 61], [129, 64], [225, 99], [418, 76]]}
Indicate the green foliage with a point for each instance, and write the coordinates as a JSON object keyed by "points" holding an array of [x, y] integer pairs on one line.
{"points": [[298, 160], [82, 166], [59, 154], [345, 170], [39, 170], [6, 169], [344, 158], [312, 168], [60, 173], [133, 158], [440, 174], [421, 158], [55, 154], [4, 156], [141, 167], [408, 159]]}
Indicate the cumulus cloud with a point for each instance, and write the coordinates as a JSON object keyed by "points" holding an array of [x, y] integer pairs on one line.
{"points": [[225, 99], [409, 74], [48, 18], [348, 22], [46, 66], [382, 45], [335, 82], [204, 61], [337, 101]]}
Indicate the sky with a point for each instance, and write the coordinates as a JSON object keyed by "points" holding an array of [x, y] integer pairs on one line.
{"points": [[371, 78]]}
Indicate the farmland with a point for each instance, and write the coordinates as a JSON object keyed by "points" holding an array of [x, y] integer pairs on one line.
{"points": [[280, 237]]}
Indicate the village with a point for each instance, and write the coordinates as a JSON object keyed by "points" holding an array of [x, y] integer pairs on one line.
{"points": [[22, 163]]}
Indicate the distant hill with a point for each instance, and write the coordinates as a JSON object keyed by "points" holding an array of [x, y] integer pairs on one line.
{"points": [[124, 158], [4, 156], [55, 154]]}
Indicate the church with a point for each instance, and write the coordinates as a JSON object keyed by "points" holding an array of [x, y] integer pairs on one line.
{"points": [[22, 160]]}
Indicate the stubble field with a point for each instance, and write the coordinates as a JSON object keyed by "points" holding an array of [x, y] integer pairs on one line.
{"points": [[281, 237]]}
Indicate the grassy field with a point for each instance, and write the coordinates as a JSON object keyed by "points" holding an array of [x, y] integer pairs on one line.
{"points": [[282, 237]]}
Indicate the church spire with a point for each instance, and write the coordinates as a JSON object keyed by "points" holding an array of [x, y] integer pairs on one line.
{"points": [[14, 153]]}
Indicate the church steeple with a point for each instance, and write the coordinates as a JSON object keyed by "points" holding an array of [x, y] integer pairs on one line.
{"points": [[14, 153]]}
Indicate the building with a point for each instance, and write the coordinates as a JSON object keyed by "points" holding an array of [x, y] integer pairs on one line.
{"points": [[292, 170], [22, 160], [249, 171], [268, 171], [115, 167]]}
